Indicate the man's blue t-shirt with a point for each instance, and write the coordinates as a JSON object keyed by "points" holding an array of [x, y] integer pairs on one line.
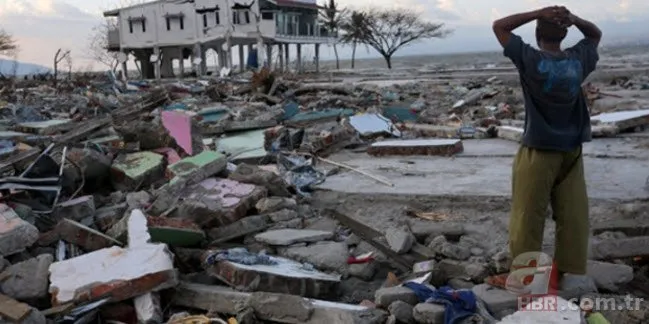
{"points": [[556, 113]]}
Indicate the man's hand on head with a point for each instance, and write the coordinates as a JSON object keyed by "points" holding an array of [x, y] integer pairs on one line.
{"points": [[556, 14]]}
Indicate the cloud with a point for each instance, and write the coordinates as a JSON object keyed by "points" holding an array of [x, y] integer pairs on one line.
{"points": [[43, 26]]}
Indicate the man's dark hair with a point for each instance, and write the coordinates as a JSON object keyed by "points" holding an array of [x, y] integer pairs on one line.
{"points": [[550, 32]]}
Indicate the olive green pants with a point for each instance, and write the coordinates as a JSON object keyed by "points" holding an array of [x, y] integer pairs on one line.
{"points": [[541, 178]]}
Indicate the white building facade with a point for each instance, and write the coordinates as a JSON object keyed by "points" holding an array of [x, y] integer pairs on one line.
{"points": [[159, 32]]}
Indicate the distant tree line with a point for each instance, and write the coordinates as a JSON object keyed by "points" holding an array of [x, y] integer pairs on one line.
{"points": [[384, 30]]}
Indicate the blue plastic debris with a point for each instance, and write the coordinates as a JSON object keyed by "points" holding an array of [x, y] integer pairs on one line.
{"points": [[400, 114], [290, 110]]}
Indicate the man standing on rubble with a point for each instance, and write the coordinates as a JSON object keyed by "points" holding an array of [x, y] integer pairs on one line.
{"points": [[548, 168]]}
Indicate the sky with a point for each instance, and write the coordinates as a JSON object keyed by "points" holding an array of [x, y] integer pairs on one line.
{"points": [[43, 26]]}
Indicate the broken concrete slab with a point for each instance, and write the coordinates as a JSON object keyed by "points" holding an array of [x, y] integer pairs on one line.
{"points": [[15, 234], [121, 273], [175, 231], [609, 276], [217, 202], [46, 127], [428, 313], [423, 230], [84, 236], [364, 271], [273, 204], [328, 256], [510, 133], [400, 240], [370, 125], [245, 146], [445, 147], [284, 215], [450, 269], [402, 311], [245, 226], [496, 299], [27, 280], [77, 209], [384, 297], [624, 119], [136, 170], [285, 276], [148, 308], [228, 301], [255, 175], [106, 217], [427, 131], [628, 227], [281, 308], [17, 312], [286, 237], [193, 169], [620, 248]]}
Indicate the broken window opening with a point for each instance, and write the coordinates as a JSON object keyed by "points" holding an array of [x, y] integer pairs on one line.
{"points": [[246, 15], [130, 26], [204, 20], [218, 17], [182, 23], [267, 15], [168, 23], [144, 26], [235, 17]]}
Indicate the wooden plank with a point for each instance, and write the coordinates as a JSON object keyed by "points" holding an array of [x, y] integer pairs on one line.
{"points": [[371, 235], [12, 309]]}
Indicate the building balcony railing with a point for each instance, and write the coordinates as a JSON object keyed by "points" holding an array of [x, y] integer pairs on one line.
{"points": [[303, 31], [113, 38]]}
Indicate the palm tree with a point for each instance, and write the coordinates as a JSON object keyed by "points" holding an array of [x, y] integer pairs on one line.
{"points": [[355, 29], [332, 18]]}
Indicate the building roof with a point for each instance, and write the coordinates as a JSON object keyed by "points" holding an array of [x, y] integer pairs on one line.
{"points": [[297, 4]]}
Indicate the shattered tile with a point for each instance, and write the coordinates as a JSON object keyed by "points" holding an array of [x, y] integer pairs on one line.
{"points": [[134, 170]]}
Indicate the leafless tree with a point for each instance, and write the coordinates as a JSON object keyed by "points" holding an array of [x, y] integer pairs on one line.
{"points": [[332, 17], [98, 45], [68, 65], [390, 30], [8, 44], [58, 58]]}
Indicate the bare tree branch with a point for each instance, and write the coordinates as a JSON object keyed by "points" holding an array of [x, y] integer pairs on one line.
{"points": [[98, 45], [389, 30], [8, 44]]}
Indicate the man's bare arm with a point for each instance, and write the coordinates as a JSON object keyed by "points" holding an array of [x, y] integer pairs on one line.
{"points": [[590, 30], [503, 27]]}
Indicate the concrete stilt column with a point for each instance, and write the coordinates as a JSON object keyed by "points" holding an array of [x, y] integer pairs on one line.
{"points": [[287, 56], [228, 54], [280, 49], [242, 65], [181, 64], [299, 58], [317, 58], [125, 66], [269, 55], [156, 65], [203, 65]]}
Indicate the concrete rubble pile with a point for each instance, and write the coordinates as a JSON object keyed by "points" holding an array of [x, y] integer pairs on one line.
{"points": [[194, 200]]}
